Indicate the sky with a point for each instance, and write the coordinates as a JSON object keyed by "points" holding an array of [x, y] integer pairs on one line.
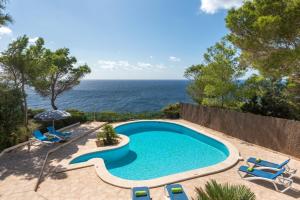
{"points": [[123, 39]]}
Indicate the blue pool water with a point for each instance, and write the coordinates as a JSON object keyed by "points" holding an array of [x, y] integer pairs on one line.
{"points": [[159, 149]]}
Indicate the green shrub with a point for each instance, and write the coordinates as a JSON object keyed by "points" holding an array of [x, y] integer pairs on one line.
{"points": [[11, 116], [172, 111], [216, 191], [109, 116], [22, 134], [76, 116], [32, 112], [108, 135]]}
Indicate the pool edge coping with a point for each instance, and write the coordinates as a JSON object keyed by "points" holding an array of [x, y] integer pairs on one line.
{"points": [[107, 177], [65, 165]]}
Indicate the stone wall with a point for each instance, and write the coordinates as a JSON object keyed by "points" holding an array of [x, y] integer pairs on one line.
{"points": [[278, 134]]}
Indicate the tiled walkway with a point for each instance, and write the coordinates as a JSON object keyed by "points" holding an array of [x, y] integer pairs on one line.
{"points": [[19, 171]]}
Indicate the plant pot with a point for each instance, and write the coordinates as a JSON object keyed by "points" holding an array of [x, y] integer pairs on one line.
{"points": [[99, 143]]}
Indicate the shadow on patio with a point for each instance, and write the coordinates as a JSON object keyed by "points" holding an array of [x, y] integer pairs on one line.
{"points": [[26, 166]]}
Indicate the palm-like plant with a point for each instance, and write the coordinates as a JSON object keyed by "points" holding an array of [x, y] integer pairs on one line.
{"points": [[108, 135], [216, 191]]}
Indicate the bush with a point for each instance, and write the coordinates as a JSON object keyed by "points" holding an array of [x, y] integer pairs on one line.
{"points": [[109, 116], [172, 111], [215, 191], [32, 112], [108, 135], [23, 134], [76, 116], [269, 105], [11, 116]]}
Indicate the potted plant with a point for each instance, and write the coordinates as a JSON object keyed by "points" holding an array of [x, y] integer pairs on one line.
{"points": [[107, 136]]}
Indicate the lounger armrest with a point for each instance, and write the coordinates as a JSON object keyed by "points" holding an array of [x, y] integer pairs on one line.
{"points": [[290, 170]]}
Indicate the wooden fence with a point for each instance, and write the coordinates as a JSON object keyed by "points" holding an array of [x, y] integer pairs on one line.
{"points": [[278, 134]]}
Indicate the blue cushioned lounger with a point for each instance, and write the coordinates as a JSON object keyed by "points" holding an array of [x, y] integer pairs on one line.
{"points": [[261, 173], [135, 189], [39, 136], [176, 196], [61, 135], [263, 163], [274, 178]]}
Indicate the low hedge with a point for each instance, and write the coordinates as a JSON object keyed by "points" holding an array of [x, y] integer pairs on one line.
{"points": [[109, 116], [22, 134], [170, 112]]}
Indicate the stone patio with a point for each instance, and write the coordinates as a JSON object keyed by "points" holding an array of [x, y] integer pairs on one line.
{"points": [[19, 171]]}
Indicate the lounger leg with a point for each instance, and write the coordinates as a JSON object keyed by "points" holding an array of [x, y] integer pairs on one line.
{"points": [[281, 182], [276, 188], [282, 191], [291, 175], [286, 182]]}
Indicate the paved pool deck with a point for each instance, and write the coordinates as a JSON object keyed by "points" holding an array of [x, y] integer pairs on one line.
{"points": [[19, 172]]}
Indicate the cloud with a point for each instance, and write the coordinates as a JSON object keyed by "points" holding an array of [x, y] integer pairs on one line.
{"points": [[114, 65], [212, 6], [5, 31], [143, 65], [33, 40], [174, 59]]}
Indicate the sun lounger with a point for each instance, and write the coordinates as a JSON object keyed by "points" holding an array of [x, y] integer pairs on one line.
{"points": [[274, 178], [175, 192], [60, 135], [42, 138], [140, 193], [266, 164]]}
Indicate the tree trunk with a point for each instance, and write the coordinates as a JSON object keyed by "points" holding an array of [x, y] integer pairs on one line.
{"points": [[24, 102], [53, 96], [53, 103]]}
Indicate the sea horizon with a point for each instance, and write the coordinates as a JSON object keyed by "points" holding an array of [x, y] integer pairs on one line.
{"points": [[117, 95], [240, 79]]}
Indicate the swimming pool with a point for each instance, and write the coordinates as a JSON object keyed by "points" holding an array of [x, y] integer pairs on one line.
{"points": [[159, 149]]}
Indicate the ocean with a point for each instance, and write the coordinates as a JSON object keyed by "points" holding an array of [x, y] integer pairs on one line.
{"points": [[117, 95]]}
